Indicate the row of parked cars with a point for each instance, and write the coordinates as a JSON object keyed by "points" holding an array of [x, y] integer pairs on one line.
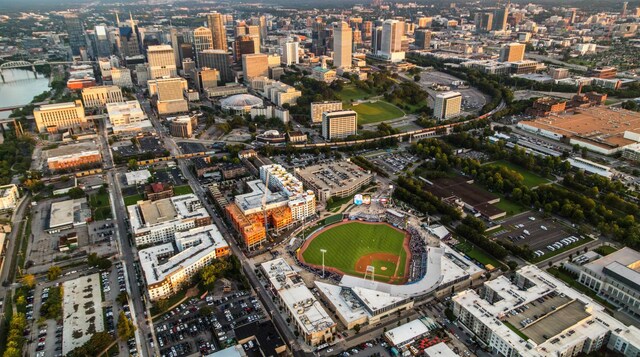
{"points": [[562, 243]]}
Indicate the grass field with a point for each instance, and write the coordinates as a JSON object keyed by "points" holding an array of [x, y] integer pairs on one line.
{"points": [[530, 179], [132, 200], [347, 243], [182, 190], [512, 208], [478, 254], [100, 208], [369, 113], [351, 92]]}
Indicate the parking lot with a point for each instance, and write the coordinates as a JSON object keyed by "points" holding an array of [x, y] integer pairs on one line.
{"points": [[205, 325], [533, 230], [472, 98], [394, 162]]}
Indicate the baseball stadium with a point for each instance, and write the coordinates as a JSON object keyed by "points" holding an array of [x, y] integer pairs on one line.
{"points": [[351, 247]]}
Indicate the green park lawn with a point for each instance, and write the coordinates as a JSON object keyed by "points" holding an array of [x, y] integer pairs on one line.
{"points": [[100, 207], [351, 92], [182, 190], [530, 179], [478, 254], [375, 112], [347, 243]]}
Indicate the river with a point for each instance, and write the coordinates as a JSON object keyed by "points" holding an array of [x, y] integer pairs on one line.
{"points": [[19, 88]]}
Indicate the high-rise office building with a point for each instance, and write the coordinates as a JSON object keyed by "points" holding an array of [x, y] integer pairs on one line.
{"points": [[342, 45], [253, 32], [53, 117], [423, 39], [186, 51], [623, 13], [261, 22], [339, 124], [500, 18], [206, 78], [103, 45], [215, 22], [176, 40], [170, 92], [218, 59], [447, 105], [367, 29], [255, 65], [512, 52], [243, 45], [128, 38], [161, 62], [290, 53], [425, 22], [202, 39], [484, 22], [391, 42], [376, 40], [75, 32]]}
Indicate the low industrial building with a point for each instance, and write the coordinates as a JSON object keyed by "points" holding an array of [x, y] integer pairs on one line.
{"points": [[139, 177], [361, 306], [167, 270], [154, 222], [405, 334], [599, 129], [67, 214], [336, 179], [536, 314], [74, 157], [307, 315], [9, 196], [462, 193]]}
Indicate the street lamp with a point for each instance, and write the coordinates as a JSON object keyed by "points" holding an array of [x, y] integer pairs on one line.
{"points": [[323, 251]]}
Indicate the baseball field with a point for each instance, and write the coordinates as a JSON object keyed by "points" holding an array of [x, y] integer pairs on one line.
{"points": [[352, 246]]}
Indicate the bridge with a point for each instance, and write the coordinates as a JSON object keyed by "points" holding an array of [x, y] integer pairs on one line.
{"points": [[10, 108], [22, 64]]}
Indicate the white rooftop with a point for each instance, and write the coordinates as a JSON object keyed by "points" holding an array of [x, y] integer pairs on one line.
{"points": [[406, 332], [136, 177], [193, 245], [440, 350]]}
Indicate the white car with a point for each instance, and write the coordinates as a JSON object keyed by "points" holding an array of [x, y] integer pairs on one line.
{"points": [[330, 350]]}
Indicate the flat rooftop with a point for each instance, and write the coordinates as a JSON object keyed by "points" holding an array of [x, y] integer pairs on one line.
{"points": [[193, 245], [622, 266], [407, 332], [252, 201], [66, 213], [339, 175], [72, 149], [57, 106], [600, 126]]}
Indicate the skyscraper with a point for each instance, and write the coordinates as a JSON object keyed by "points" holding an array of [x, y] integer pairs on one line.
{"points": [[512, 52], [290, 53], [447, 105], [162, 63], [342, 45], [75, 32], [218, 31], [252, 31], [243, 45], [103, 45], [376, 40], [391, 43], [423, 39], [255, 65], [202, 39], [484, 22], [176, 40], [218, 59], [128, 38], [500, 18]]}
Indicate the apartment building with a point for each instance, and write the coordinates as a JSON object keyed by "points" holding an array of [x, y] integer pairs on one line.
{"points": [[318, 108], [339, 124], [447, 105], [9, 195]]}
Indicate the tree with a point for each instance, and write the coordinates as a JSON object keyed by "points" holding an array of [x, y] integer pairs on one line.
{"points": [[54, 273], [76, 192], [416, 78], [126, 329], [123, 298], [132, 164], [356, 328], [29, 280]]}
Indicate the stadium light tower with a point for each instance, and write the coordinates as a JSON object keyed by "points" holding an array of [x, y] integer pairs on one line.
{"points": [[323, 251]]}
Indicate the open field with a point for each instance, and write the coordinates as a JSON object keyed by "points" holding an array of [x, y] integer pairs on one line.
{"points": [[132, 200], [478, 254], [351, 246], [369, 113], [100, 207], [182, 190], [351, 92], [530, 179]]}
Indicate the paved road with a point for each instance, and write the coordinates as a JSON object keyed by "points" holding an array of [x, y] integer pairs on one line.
{"points": [[264, 296]]}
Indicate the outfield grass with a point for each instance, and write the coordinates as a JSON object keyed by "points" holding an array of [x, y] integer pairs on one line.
{"points": [[478, 254], [347, 243], [133, 199], [375, 112], [351, 92], [530, 179], [100, 207], [182, 190]]}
